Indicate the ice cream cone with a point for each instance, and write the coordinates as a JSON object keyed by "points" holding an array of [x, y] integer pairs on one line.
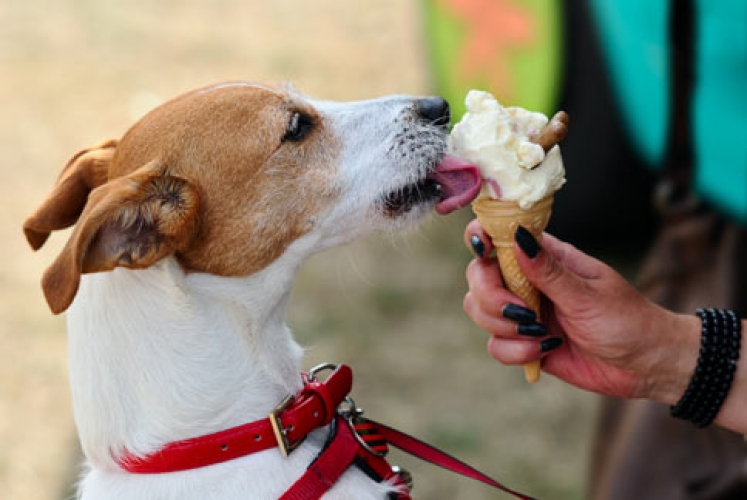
{"points": [[500, 219]]}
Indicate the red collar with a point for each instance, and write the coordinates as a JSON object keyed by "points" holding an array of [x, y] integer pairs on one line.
{"points": [[286, 427], [353, 440]]}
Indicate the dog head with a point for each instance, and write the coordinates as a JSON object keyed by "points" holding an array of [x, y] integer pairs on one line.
{"points": [[225, 178]]}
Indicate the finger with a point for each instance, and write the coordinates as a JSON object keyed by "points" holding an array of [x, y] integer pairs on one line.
{"points": [[485, 283], [477, 240], [484, 275], [521, 352], [514, 352], [572, 258], [491, 323], [547, 273], [501, 326]]}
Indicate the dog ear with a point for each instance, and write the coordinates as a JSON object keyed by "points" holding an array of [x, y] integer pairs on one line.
{"points": [[85, 171], [131, 221]]}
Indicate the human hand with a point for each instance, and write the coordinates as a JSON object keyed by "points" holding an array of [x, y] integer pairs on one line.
{"points": [[615, 341]]}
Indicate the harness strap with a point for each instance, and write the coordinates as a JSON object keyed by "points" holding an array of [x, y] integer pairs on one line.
{"points": [[324, 472], [341, 452]]}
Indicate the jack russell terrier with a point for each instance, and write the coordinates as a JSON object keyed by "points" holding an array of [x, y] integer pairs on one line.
{"points": [[188, 234]]}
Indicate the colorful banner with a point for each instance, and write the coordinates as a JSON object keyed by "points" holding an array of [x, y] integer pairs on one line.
{"points": [[511, 48]]}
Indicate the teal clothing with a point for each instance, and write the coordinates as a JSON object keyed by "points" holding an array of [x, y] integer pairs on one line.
{"points": [[635, 38]]}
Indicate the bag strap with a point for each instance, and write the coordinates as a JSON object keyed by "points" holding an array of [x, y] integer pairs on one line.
{"points": [[674, 195]]}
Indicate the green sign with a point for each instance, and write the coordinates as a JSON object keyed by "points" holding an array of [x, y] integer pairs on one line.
{"points": [[511, 48]]}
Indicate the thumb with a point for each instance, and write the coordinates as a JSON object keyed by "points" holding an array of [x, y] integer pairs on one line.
{"points": [[557, 269]]}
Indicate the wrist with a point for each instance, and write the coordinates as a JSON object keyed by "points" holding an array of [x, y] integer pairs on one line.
{"points": [[732, 414], [675, 363], [714, 375]]}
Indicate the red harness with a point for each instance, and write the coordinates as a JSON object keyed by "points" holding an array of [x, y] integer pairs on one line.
{"points": [[353, 440]]}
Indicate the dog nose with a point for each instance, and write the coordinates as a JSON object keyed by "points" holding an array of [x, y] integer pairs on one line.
{"points": [[433, 109]]}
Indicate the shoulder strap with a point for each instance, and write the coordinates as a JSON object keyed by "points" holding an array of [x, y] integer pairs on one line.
{"points": [[674, 193]]}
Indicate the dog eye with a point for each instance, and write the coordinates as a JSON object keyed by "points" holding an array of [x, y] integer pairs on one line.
{"points": [[298, 128]]}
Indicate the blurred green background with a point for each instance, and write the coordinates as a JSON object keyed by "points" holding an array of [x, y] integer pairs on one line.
{"points": [[76, 72]]}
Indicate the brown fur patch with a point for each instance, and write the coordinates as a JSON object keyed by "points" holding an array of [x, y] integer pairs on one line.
{"points": [[258, 194], [85, 171], [207, 177]]}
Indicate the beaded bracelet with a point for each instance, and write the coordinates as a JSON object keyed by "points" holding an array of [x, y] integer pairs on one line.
{"points": [[719, 351]]}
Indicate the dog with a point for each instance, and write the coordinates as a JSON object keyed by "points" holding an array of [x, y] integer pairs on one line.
{"points": [[188, 233]]}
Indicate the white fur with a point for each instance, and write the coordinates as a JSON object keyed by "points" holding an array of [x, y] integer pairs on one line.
{"points": [[157, 355]]}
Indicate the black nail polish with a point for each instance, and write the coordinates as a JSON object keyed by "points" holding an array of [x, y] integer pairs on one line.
{"points": [[519, 314], [478, 247], [527, 242], [548, 345], [532, 330]]}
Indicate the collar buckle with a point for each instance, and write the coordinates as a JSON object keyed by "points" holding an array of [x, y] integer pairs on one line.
{"points": [[281, 433]]}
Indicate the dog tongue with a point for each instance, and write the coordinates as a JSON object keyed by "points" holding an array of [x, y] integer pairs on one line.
{"points": [[460, 183]]}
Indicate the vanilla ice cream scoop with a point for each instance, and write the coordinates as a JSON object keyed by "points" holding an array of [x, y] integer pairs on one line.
{"points": [[509, 146]]}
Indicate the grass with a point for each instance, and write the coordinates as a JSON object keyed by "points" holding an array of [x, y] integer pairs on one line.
{"points": [[78, 72]]}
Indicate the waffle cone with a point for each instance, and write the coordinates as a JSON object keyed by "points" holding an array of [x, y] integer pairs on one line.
{"points": [[500, 219]]}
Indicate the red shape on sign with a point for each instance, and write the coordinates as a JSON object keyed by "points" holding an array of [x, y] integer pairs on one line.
{"points": [[494, 27]]}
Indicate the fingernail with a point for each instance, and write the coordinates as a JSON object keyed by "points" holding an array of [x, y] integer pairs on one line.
{"points": [[548, 345], [478, 247], [527, 242], [518, 313], [532, 330]]}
